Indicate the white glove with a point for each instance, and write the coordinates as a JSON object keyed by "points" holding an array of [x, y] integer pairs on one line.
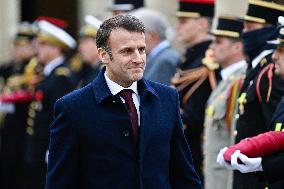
{"points": [[221, 160], [248, 164]]}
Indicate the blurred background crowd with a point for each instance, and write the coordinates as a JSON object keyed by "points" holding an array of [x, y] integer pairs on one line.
{"points": [[214, 52]]}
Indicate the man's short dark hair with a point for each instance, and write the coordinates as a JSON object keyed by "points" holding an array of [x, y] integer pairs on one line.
{"points": [[127, 22]]}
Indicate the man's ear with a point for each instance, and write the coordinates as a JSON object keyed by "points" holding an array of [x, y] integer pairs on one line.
{"points": [[103, 55]]}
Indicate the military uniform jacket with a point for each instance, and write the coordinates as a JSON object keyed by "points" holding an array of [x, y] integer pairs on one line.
{"points": [[86, 73], [273, 165], [12, 132], [12, 68], [255, 114], [193, 111], [218, 133], [12, 128], [194, 117], [194, 55], [55, 85]]}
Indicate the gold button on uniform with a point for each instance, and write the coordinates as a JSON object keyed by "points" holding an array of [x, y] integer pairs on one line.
{"points": [[32, 113], [30, 122], [30, 130], [33, 105]]}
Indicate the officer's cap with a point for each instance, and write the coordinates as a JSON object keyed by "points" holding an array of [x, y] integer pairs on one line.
{"points": [[55, 21], [228, 26], [196, 8], [264, 12], [280, 39], [25, 33], [91, 27], [55, 35]]}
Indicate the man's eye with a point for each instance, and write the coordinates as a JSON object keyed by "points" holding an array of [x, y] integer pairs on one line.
{"points": [[126, 51], [141, 50]]}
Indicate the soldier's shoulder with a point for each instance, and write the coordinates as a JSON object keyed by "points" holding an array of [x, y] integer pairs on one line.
{"points": [[76, 63], [62, 71]]}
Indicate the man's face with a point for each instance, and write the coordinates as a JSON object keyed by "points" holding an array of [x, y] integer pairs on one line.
{"points": [[46, 52], [187, 29], [278, 58], [223, 50], [251, 26], [23, 51], [129, 56], [88, 49]]}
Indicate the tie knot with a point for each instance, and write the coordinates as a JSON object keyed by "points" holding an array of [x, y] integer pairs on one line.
{"points": [[126, 94]]}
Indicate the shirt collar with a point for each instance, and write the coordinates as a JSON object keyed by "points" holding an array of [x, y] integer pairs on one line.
{"points": [[228, 71], [164, 44], [52, 65], [116, 88]]}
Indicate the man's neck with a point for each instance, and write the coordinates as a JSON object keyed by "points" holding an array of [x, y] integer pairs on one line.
{"points": [[232, 61], [201, 38], [51, 58]]}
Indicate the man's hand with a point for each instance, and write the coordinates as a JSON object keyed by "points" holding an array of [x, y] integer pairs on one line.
{"points": [[247, 164], [221, 160]]}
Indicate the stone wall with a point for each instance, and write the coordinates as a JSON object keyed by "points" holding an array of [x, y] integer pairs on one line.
{"points": [[9, 16]]}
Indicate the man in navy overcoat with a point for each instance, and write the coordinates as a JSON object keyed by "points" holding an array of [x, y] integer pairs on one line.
{"points": [[94, 143]]}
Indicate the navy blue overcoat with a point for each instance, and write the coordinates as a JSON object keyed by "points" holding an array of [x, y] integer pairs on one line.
{"points": [[91, 144]]}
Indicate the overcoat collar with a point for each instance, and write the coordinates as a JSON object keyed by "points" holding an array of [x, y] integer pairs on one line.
{"points": [[102, 91]]}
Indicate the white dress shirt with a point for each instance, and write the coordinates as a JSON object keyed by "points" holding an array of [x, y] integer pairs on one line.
{"points": [[228, 71], [116, 88]]}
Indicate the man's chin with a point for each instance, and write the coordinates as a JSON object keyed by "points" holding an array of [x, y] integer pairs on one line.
{"points": [[137, 77]]}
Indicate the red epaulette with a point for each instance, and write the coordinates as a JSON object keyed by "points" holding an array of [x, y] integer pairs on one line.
{"points": [[269, 69]]}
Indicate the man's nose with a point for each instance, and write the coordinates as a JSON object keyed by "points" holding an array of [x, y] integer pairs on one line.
{"points": [[137, 56]]}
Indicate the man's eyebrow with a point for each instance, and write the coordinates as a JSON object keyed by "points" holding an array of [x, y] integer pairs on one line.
{"points": [[124, 49]]}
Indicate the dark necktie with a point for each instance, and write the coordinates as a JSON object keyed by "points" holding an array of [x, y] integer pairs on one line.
{"points": [[126, 94]]}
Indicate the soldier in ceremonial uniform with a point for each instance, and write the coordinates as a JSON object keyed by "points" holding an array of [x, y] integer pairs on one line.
{"points": [[15, 112], [86, 64], [53, 42], [271, 165], [194, 18], [229, 54], [23, 51], [262, 90]]}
